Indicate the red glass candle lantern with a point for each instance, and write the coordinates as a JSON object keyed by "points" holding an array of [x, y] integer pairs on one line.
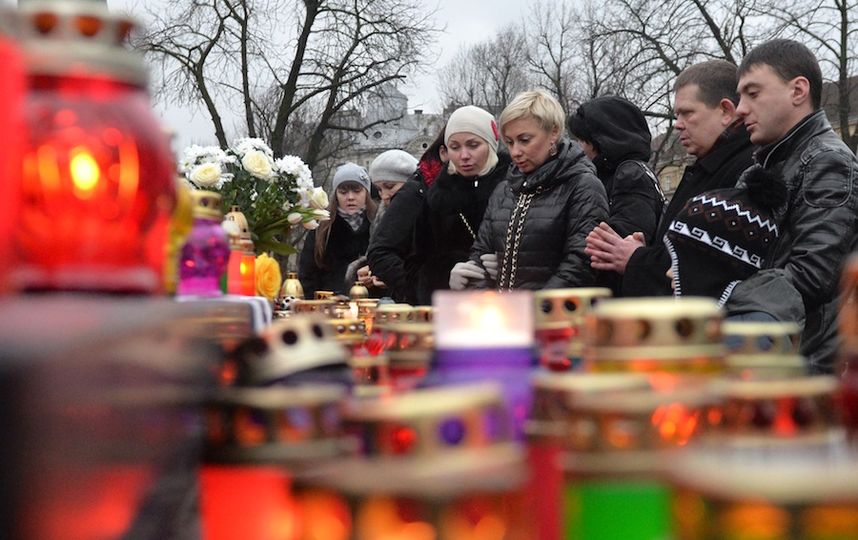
{"points": [[12, 126], [240, 270], [97, 189]]}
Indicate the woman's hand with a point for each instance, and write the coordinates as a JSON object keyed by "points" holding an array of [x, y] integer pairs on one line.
{"points": [[364, 276], [463, 272]]}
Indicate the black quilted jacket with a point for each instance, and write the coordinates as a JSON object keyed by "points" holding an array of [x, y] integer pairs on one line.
{"points": [[554, 208]]}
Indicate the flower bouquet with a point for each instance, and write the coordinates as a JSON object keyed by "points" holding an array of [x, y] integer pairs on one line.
{"points": [[274, 194]]}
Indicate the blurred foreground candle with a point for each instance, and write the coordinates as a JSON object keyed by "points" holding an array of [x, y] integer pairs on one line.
{"points": [[795, 409], [751, 491], [847, 365], [486, 335], [97, 190], [672, 339], [260, 443], [615, 485], [434, 464], [205, 254], [12, 127], [763, 350], [555, 395]]}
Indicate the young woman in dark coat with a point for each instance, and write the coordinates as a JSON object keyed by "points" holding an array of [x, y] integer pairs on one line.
{"points": [[614, 134], [539, 218], [449, 214], [337, 242]]}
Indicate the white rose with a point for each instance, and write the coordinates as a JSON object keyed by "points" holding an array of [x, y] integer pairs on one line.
{"points": [[206, 174], [294, 218], [319, 199], [311, 225], [257, 164]]}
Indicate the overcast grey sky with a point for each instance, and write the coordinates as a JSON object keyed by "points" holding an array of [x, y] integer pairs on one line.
{"points": [[466, 21]]}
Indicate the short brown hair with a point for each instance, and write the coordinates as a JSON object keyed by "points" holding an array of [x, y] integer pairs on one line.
{"points": [[715, 80]]}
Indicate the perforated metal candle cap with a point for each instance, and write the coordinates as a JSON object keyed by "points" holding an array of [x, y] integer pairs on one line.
{"points": [[206, 204], [763, 350], [74, 37], [286, 425], [656, 334], [561, 308], [432, 442]]}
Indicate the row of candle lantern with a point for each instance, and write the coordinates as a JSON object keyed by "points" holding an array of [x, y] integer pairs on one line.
{"points": [[596, 441]]}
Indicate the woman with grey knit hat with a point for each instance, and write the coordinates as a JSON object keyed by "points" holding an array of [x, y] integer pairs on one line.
{"points": [[388, 172], [330, 248]]}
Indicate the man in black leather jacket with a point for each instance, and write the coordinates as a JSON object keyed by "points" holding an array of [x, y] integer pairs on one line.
{"points": [[780, 87], [705, 109]]}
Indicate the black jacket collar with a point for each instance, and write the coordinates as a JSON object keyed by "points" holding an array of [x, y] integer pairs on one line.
{"points": [[809, 126], [729, 142]]}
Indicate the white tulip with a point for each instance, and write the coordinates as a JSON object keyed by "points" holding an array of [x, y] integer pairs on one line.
{"points": [[294, 218], [311, 225]]}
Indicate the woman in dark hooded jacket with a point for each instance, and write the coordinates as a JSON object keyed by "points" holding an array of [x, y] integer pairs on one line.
{"points": [[614, 134], [539, 218], [448, 214]]}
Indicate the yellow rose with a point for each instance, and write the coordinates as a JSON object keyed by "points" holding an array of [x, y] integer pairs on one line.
{"points": [[257, 164], [268, 277], [206, 174]]}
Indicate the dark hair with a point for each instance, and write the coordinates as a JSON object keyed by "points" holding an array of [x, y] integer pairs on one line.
{"points": [[789, 59], [715, 80]]}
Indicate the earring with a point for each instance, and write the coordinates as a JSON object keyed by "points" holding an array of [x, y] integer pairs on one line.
{"points": [[552, 150]]}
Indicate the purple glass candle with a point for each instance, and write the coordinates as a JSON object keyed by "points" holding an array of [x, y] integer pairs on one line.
{"points": [[486, 336], [205, 253]]}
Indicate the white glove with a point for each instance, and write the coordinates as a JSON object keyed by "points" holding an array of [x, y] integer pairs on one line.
{"points": [[490, 263], [464, 271]]}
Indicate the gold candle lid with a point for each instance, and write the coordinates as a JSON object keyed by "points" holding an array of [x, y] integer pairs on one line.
{"points": [[684, 333], [562, 308], [358, 290]]}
